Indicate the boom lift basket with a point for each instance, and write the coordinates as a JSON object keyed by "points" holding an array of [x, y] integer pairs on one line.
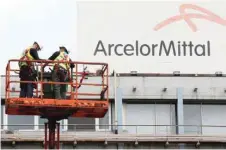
{"points": [[79, 102]]}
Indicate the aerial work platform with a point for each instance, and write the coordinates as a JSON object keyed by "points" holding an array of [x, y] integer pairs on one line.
{"points": [[78, 102], [57, 108]]}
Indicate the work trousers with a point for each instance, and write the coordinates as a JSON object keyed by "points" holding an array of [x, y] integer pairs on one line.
{"points": [[26, 89], [59, 75]]}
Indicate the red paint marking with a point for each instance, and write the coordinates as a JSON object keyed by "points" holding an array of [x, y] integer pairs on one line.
{"points": [[187, 17]]}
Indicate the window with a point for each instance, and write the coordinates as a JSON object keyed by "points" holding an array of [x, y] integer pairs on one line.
{"points": [[165, 115], [21, 121], [42, 121], [192, 116], [90, 124], [144, 117], [213, 115], [82, 124]]}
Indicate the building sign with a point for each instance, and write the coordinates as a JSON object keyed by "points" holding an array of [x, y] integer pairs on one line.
{"points": [[154, 36]]}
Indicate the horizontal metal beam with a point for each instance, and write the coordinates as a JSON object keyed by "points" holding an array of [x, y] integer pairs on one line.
{"points": [[118, 138]]}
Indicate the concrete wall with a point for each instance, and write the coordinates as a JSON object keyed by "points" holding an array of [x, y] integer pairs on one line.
{"points": [[151, 87]]}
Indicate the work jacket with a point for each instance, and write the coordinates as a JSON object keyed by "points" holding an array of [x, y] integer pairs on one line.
{"points": [[62, 57], [26, 56]]}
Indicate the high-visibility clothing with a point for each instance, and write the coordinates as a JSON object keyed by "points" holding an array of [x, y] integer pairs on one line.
{"points": [[62, 57], [26, 56]]}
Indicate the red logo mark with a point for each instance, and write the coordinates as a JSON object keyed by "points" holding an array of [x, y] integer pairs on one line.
{"points": [[208, 15]]}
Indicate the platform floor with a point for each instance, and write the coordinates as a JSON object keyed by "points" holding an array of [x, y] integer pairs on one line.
{"points": [[57, 108]]}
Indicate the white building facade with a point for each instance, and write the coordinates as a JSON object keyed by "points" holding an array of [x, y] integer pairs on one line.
{"points": [[145, 105]]}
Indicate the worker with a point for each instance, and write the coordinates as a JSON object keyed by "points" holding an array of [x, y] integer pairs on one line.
{"points": [[60, 72], [27, 70]]}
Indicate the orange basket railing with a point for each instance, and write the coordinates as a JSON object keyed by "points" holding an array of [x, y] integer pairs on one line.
{"points": [[77, 77]]}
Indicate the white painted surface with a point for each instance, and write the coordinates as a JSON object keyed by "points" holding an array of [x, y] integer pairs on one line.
{"points": [[152, 87], [125, 22]]}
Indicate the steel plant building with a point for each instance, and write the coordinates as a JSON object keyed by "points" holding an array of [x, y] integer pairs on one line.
{"points": [[146, 111]]}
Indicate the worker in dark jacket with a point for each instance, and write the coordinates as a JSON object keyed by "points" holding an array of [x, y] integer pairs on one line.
{"points": [[27, 70], [60, 72]]}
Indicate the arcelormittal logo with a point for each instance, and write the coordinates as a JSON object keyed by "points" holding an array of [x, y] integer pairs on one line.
{"points": [[167, 47], [187, 17]]}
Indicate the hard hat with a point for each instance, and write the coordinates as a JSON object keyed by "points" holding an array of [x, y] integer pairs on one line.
{"points": [[39, 47], [65, 49]]}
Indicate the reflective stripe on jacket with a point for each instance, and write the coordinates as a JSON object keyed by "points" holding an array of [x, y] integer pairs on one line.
{"points": [[62, 57], [26, 56]]}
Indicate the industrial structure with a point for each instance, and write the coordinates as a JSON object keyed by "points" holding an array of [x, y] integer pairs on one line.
{"points": [[121, 103], [46, 105], [145, 111]]}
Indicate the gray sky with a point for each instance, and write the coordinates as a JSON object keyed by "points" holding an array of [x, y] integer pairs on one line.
{"points": [[52, 23]]}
